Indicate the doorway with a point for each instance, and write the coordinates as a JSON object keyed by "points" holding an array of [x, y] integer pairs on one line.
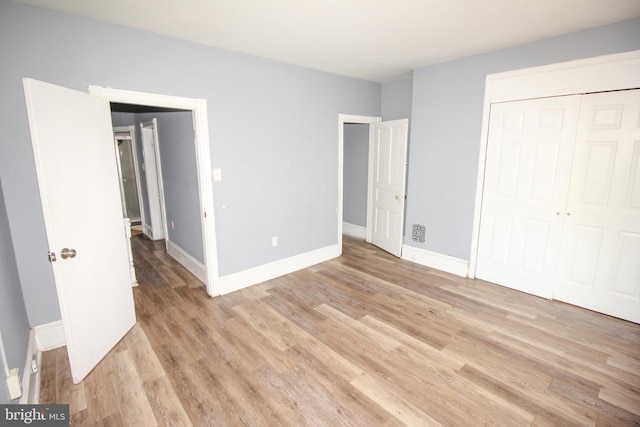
{"points": [[386, 181], [170, 201], [356, 180], [198, 109], [129, 173], [343, 120]]}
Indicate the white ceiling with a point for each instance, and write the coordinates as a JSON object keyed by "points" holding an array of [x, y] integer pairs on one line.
{"points": [[376, 40]]}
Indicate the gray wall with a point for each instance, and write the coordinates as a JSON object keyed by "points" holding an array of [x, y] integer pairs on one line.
{"points": [[273, 130], [446, 126], [396, 99], [356, 172], [5, 397], [14, 325]]}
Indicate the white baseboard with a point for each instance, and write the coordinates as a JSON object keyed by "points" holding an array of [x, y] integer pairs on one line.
{"points": [[457, 266], [194, 266], [147, 231], [49, 336], [41, 338], [353, 230], [253, 276], [30, 381]]}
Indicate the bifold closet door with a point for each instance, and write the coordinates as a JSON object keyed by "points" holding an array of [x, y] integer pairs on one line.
{"points": [[527, 175], [600, 257]]}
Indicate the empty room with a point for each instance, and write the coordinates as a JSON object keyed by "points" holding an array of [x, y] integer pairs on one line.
{"points": [[320, 213]]}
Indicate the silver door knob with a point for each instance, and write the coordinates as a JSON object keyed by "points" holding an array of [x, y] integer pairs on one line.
{"points": [[67, 253]]}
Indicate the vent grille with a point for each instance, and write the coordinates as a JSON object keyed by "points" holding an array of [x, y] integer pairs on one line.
{"points": [[418, 233]]}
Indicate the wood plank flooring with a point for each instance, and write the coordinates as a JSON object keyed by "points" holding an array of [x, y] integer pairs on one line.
{"points": [[363, 340]]}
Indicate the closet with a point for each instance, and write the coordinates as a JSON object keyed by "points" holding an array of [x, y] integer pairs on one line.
{"points": [[560, 205]]}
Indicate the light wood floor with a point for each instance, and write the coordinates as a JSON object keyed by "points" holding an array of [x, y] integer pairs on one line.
{"points": [[363, 340]]}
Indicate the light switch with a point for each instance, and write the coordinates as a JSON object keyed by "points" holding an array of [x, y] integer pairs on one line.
{"points": [[217, 174]]}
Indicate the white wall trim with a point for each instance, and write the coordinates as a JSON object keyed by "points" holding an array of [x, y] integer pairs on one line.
{"points": [[146, 230], [253, 276], [41, 338], [31, 380], [49, 336], [449, 264], [602, 73], [194, 266], [353, 230]]}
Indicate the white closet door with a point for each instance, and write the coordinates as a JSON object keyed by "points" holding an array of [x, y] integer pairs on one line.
{"points": [[600, 261], [527, 174]]}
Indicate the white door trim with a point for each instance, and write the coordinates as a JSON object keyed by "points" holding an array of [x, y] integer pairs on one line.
{"points": [[203, 159], [603, 73], [342, 120]]}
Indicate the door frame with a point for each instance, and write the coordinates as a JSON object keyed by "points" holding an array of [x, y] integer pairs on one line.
{"points": [[598, 74], [136, 168], [353, 119], [157, 175], [198, 108]]}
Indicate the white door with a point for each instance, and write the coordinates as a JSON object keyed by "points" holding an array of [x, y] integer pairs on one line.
{"points": [[153, 173], [600, 262], [527, 176], [77, 174], [389, 165]]}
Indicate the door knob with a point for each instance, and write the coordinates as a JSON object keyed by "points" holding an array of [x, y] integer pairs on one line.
{"points": [[67, 253]]}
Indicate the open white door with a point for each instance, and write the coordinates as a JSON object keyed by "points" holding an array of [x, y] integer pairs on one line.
{"points": [[153, 173], [389, 167], [72, 139]]}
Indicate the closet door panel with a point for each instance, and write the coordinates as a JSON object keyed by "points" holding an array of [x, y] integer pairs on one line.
{"points": [[600, 256], [527, 176]]}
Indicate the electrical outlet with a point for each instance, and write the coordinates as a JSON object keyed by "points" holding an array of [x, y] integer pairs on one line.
{"points": [[172, 224], [274, 241]]}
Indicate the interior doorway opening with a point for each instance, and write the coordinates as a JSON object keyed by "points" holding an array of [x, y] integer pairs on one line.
{"points": [[207, 270], [129, 173], [166, 154], [345, 120], [386, 181]]}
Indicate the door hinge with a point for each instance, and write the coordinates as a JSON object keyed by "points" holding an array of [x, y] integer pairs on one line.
{"points": [[52, 256]]}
